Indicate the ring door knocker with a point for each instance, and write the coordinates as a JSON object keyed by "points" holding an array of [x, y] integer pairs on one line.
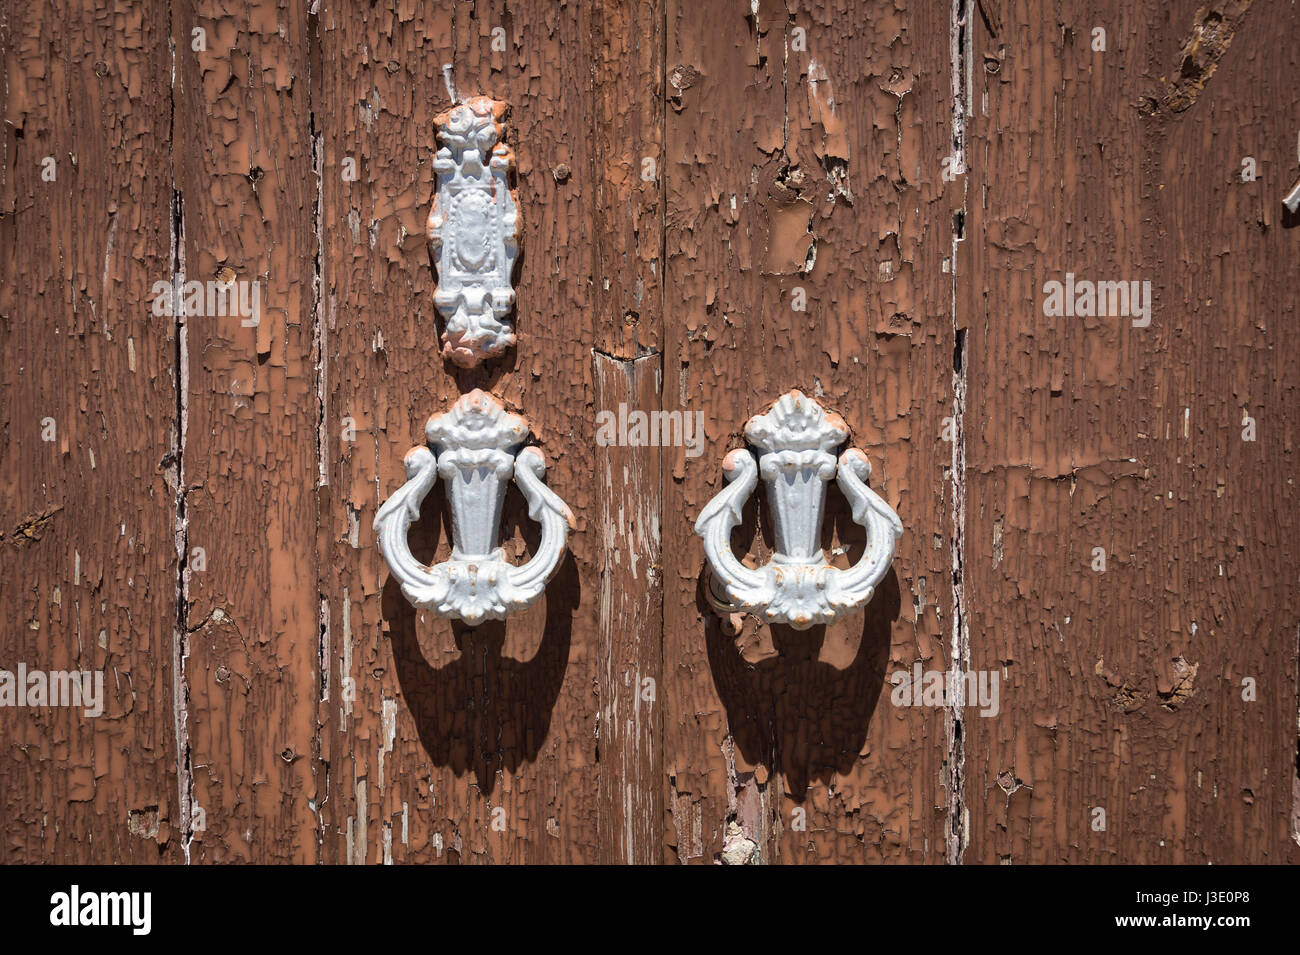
{"points": [[474, 448], [798, 586]]}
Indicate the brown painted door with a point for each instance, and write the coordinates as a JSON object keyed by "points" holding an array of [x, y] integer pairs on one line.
{"points": [[721, 202]]}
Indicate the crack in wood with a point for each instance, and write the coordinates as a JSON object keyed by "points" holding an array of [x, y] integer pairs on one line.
{"points": [[29, 529]]}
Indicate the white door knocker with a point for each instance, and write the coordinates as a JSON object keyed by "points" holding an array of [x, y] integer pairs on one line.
{"points": [[798, 586], [474, 448]]}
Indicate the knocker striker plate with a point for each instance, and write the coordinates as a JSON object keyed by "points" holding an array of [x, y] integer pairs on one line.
{"points": [[474, 448], [795, 439], [474, 232]]}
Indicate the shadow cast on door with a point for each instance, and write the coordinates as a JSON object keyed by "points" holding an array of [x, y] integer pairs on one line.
{"points": [[794, 713], [484, 712]]}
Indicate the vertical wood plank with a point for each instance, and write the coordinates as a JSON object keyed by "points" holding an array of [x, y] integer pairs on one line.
{"points": [[1092, 438], [243, 171], [630, 607], [198, 527], [626, 199], [803, 170], [626, 190], [446, 743], [87, 557]]}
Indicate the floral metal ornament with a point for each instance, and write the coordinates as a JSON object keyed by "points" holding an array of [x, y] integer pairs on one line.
{"points": [[474, 232], [798, 586], [474, 447]]}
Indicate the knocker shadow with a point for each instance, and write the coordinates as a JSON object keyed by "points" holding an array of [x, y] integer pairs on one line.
{"points": [[795, 711], [485, 711]]}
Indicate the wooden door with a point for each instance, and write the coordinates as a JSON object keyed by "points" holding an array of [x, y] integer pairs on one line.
{"points": [[721, 202]]}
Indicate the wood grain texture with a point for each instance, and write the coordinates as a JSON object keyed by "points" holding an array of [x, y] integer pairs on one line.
{"points": [[721, 202], [242, 164], [808, 161], [87, 557], [1124, 690], [626, 192], [627, 215], [630, 607], [455, 744]]}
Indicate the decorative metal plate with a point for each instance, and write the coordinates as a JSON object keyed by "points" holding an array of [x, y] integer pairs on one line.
{"points": [[474, 232]]}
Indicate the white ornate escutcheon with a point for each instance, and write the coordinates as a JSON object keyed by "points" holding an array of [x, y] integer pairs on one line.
{"points": [[473, 447], [798, 586], [474, 232]]}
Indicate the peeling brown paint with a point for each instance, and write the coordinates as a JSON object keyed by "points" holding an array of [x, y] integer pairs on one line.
{"points": [[687, 172], [242, 151], [1124, 540], [1213, 27], [821, 766], [29, 529], [87, 517], [492, 747]]}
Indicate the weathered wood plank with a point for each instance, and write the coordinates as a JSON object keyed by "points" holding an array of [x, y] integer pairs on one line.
{"points": [[630, 608], [243, 170], [803, 170], [626, 188], [455, 744], [87, 558], [626, 208], [1100, 437]]}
